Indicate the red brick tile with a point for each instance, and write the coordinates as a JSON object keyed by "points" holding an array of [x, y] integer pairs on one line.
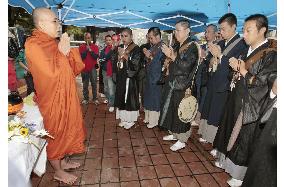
{"points": [[96, 144], [98, 115], [169, 182], [149, 134], [150, 183], [135, 128], [94, 163], [188, 181], [159, 159], [197, 167], [142, 150], [192, 146], [221, 178], [49, 168], [180, 169], [125, 151], [208, 156], [124, 142], [134, 135], [130, 184], [211, 168], [200, 156], [35, 180], [110, 128], [206, 180], [164, 171], [163, 142], [91, 177], [110, 135], [128, 174], [110, 163], [207, 146], [189, 157], [110, 143], [110, 152], [94, 153], [138, 142], [166, 149], [110, 175], [114, 144], [142, 160], [151, 141], [174, 158], [126, 161], [124, 134], [185, 150], [110, 185], [146, 172], [155, 149]]}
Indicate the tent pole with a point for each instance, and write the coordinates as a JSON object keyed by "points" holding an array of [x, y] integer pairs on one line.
{"points": [[229, 6], [59, 14]]}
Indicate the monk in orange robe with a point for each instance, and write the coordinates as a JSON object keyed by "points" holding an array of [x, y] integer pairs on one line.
{"points": [[54, 68]]}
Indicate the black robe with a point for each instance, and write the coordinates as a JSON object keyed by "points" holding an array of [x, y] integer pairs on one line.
{"points": [[130, 70], [248, 97], [219, 83], [181, 72], [262, 168]]}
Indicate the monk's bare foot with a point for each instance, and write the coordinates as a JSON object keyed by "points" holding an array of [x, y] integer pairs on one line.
{"points": [[69, 164], [63, 176]]}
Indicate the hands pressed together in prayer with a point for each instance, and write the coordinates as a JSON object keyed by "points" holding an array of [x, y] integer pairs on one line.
{"points": [[168, 51], [215, 50], [238, 65], [64, 44], [121, 53], [147, 53]]}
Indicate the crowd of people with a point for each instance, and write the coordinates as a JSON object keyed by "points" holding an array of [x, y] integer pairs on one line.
{"points": [[233, 79]]}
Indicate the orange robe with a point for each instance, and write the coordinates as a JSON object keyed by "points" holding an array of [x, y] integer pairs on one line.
{"points": [[54, 80]]}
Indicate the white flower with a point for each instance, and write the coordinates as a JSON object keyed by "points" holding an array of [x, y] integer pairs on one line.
{"points": [[42, 133]]}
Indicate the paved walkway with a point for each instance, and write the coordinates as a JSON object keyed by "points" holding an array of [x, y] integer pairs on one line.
{"points": [[137, 157]]}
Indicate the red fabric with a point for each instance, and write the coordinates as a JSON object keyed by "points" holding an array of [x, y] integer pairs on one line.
{"points": [[89, 61], [109, 64], [12, 79]]}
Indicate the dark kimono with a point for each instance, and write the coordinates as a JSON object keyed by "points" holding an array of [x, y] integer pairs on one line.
{"points": [[180, 76], [219, 83], [129, 70], [152, 92], [262, 168], [257, 82], [142, 72]]}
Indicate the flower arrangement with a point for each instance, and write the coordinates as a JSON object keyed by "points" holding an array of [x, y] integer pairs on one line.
{"points": [[21, 131]]}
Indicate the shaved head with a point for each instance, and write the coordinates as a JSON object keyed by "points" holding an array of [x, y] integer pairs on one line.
{"points": [[46, 21], [40, 14]]}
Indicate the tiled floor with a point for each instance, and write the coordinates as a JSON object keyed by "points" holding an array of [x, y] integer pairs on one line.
{"points": [[137, 157]]}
